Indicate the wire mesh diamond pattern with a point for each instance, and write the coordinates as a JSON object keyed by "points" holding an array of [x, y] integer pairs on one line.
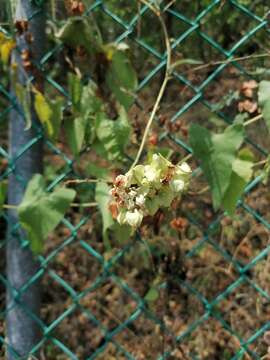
{"points": [[199, 304]]}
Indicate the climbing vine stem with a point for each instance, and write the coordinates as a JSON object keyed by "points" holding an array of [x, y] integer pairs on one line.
{"points": [[164, 83]]}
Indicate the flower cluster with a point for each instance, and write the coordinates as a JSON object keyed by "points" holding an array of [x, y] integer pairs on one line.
{"points": [[146, 188]]}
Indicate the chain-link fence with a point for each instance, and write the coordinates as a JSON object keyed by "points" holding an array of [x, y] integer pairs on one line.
{"points": [[213, 300]]}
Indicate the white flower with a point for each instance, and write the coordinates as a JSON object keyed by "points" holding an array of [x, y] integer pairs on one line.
{"points": [[177, 185], [185, 168], [144, 189], [134, 218], [151, 173], [140, 200]]}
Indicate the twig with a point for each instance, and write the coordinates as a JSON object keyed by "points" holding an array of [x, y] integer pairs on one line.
{"points": [[83, 181], [164, 84], [259, 163], [254, 231], [169, 5], [186, 158], [202, 191], [228, 61], [151, 7], [6, 206], [86, 205], [252, 120]]}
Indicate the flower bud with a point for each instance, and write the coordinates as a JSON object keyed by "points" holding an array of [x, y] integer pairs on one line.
{"points": [[140, 200], [184, 167], [177, 185], [151, 173], [134, 218]]}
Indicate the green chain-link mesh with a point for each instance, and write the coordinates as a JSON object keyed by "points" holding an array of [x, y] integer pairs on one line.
{"points": [[128, 30], [38, 2]]}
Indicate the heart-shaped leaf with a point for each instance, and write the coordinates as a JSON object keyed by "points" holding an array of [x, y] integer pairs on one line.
{"points": [[241, 175], [218, 156], [75, 132], [78, 31], [40, 212], [121, 78], [49, 113], [112, 135]]}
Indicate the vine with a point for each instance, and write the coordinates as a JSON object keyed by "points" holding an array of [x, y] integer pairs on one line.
{"points": [[96, 117]]}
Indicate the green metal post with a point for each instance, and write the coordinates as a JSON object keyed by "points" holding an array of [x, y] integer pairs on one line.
{"points": [[22, 306]]}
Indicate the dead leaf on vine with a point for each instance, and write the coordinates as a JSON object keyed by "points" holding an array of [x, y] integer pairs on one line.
{"points": [[248, 87], [247, 105]]}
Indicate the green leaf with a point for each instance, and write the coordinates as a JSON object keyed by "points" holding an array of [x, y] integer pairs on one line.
{"points": [[264, 100], [112, 136], [40, 212], [121, 233], [152, 205], [90, 102], [75, 132], [241, 175], [152, 295], [3, 192], [50, 114], [78, 31], [56, 117], [121, 78], [217, 153], [24, 97], [97, 171], [44, 112], [103, 198], [86, 104], [246, 154], [5, 50], [75, 90]]}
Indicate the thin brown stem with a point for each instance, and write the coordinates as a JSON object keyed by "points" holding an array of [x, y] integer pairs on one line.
{"points": [[164, 84], [228, 61], [259, 163], [186, 158], [6, 206], [253, 120], [200, 192], [83, 181], [85, 205]]}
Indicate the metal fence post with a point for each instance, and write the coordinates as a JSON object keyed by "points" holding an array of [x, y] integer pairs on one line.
{"points": [[23, 331]]}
